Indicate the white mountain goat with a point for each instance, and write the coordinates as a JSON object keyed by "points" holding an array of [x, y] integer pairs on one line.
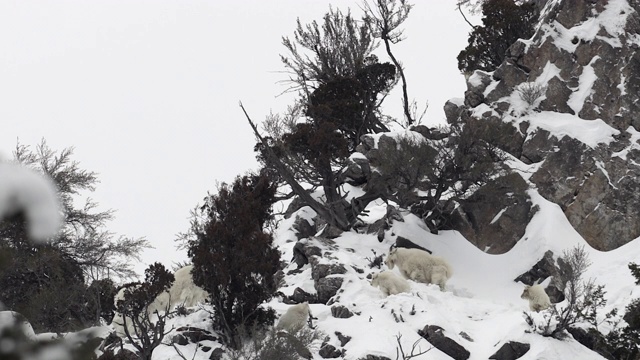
{"points": [[538, 298], [390, 283], [295, 318], [182, 292], [418, 265]]}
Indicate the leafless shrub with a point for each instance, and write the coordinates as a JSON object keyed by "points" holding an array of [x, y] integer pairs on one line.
{"points": [[376, 262], [275, 344], [400, 355], [530, 92], [584, 299]]}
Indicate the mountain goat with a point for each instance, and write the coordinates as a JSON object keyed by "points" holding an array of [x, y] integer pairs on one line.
{"points": [[418, 265], [390, 283], [295, 318], [182, 292], [538, 298]]}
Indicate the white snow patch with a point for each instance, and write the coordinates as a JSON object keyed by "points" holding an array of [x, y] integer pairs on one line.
{"points": [[549, 72], [590, 132], [457, 101], [490, 88], [357, 155], [498, 215], [475, 80], [612, 19], [587, 79], [406, 133], [623, 85]]}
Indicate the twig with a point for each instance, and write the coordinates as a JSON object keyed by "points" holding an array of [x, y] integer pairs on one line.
{"points": [[400, 350]]}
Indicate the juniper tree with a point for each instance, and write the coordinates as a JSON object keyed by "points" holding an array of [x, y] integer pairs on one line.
{"points": [[504, 22], [233, 258], [82, 251], [341, 86]]}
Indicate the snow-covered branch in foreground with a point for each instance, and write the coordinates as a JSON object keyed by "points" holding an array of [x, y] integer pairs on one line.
{"points": [[23, 189]]}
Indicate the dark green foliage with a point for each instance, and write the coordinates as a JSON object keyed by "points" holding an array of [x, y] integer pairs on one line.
{"points": [[635, 271], [233, 258], [351, 102], [338, 77], [138, 298], [148, 329], [341, 86], [504, 22], [83, 236], [632, 314], [318, 144], [48, 283], [407, 166], [46, 286], [100, 296], [337, 48], [625, 341], [455, 161]]}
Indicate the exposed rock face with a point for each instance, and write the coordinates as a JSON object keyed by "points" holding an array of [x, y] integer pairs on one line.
{"points": [[495, 217], [584, 58], [543, 269]]}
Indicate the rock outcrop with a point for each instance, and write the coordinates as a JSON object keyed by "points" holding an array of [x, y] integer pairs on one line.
{"points": [[567, 99]]}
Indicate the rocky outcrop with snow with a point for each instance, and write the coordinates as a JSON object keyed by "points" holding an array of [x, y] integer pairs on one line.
{"points": [[566, 100]]}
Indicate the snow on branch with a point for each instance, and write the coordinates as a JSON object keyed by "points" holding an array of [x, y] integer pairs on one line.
{"points": [[24, 190]]}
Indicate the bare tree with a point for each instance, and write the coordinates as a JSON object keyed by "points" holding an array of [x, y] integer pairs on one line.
{"points": [[384, 19]]}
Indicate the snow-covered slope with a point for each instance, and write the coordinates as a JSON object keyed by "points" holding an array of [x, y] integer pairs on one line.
{"points": [[481, 308], [482, 300]]}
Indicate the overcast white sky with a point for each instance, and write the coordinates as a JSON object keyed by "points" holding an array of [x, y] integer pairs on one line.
{"points": [[147, 91]]}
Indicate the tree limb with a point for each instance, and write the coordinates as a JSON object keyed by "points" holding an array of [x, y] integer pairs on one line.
{"points": [[289, 178]]}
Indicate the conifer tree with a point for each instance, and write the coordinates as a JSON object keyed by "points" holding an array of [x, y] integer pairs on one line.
{"points": [[234, 259]]}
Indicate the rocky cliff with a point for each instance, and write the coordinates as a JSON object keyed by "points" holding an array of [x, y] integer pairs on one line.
{"points": [[566, 104]]}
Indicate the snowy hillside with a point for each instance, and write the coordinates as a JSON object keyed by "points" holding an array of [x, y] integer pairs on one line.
{"points": [[481, 308], [481, 300]]}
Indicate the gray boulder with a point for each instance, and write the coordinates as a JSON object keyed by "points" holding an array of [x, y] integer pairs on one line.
{"points": [[435, 335], [495, 217], [511, 350]]}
